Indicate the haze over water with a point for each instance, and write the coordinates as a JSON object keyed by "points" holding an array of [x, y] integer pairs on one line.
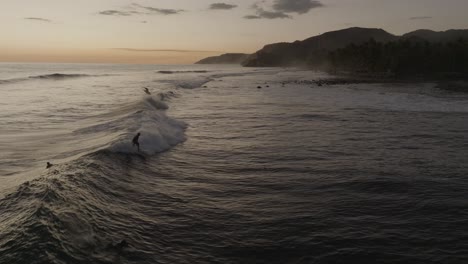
{"points": [[228, 173]]}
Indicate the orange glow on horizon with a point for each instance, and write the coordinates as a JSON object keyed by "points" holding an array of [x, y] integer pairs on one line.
{"points": [[103, 56]]}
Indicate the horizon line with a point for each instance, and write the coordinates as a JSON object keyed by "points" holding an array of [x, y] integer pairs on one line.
{"points": [[167, 50]]}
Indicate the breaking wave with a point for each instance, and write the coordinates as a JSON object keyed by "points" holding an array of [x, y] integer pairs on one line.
{"points": [[173, 72], [53, 76]]}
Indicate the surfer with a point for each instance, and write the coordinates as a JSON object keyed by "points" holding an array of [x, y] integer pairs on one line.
{"points": [[119, 247], [49, 165], [135, 141], [145, 89]]}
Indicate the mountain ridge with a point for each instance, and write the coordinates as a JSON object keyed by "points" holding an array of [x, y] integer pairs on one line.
{"points": [[313, 49], [227, 58]]}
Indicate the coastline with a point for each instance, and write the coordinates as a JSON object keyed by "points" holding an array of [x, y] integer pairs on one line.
{"points": [[446, 81]]}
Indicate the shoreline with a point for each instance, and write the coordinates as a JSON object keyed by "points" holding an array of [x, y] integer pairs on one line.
{"points": [[455, 83]]}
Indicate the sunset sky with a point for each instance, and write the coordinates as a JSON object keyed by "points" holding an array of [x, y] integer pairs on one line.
{"points": [[183, 31]]}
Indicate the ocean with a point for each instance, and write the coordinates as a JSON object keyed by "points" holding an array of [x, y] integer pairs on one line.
{"points": [[237, 165]]}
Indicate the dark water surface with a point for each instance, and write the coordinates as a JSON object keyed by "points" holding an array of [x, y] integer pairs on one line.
{"points": [[235, 174]]}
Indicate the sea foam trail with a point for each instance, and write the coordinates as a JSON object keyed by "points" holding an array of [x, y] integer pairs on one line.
{"points": [[195, 82]]}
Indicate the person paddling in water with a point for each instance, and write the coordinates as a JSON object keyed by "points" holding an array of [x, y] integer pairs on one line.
{"points": [[135, 141]]}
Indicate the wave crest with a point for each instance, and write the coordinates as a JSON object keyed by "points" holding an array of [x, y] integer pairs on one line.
{"points": [[158, 133], [59, 76], [53, 76], [172, 72]]}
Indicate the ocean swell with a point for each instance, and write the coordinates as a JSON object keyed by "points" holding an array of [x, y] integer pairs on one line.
{"points": [[69, 213], [53, 76], [65, 215]]}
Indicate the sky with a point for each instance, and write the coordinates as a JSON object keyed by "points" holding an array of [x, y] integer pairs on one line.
{"points": [[184, 31]]}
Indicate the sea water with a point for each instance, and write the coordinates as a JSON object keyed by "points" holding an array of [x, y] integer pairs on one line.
{"points": [[290, 172]]}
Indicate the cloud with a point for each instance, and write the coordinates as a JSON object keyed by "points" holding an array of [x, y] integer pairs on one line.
{"points": [[118, 13], [262, 13], [282, 8], [162, 50], [252, 17], [420, 17], [222, 6], [141, 10], [271, 15], [39, 19], [295, 6], [160, 11]]}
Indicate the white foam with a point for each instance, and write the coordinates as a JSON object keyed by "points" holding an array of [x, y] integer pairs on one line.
{"points": [[157, 104], [158, 131]]}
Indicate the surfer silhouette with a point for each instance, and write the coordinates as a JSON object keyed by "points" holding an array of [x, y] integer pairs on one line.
{"points": [[49, 165], [119, 247], [145, 89], [135, 141]]}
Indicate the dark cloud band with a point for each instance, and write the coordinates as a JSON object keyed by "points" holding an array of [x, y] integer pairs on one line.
{"points": [[252, 17], [161, 11], [222, 6], [141, 10], [39, 19], [420, 17], [118, 13]]}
